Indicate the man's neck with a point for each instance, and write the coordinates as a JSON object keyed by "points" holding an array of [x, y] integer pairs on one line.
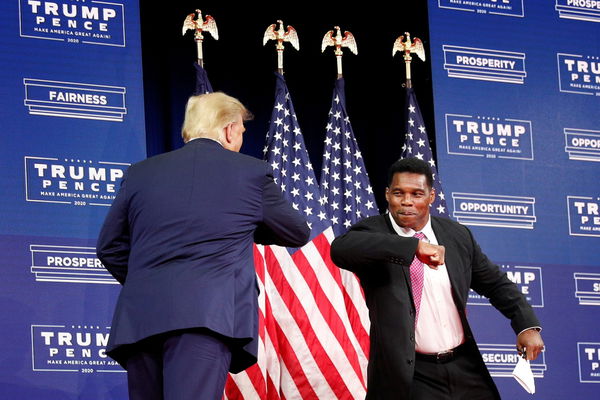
{"points": [[214, 140]]}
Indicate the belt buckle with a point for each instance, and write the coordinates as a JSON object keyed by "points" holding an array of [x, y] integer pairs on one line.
{"points": [[444, 356]]}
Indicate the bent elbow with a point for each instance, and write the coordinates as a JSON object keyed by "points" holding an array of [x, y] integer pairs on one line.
{"points": [[302, 236], [337, 253], [305, 233]]}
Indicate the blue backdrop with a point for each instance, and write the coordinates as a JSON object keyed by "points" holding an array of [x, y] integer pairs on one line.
{"points": [[516, 86], [72, 121]]}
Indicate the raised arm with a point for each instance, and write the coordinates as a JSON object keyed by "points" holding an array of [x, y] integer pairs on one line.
{"points": [[368, 243]]}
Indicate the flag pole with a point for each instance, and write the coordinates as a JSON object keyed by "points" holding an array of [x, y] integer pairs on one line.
{"points": [[416, 140], [280, 36], [337, 41], [405, 45], [195, 22]]}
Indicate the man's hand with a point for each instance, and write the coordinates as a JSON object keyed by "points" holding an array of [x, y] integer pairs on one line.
{"points": [[532, 342], [430, 254]]}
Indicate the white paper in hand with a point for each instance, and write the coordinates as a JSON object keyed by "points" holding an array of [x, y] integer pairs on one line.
{"points": [[524, 376]]}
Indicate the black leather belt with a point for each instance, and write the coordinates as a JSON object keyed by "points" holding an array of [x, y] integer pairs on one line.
{"points": [[443, 356]]}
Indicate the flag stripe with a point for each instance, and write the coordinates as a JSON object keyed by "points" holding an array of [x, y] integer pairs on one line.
{"points": [[273, 369], [243, 384], [289, 391], [325, 323], [271, 360], [354, 299], [232, 391], [332, 307], [290, 355], [308, 327], [253, 379]]}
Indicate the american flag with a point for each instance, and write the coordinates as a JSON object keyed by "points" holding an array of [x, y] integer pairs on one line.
{"points": [[345, 189], [202, 83], [416, 144], [286, 153], [203, 86], [313, 322]]}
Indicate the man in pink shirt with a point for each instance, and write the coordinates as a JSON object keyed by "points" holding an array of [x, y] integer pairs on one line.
{"points": [[416, 271]]}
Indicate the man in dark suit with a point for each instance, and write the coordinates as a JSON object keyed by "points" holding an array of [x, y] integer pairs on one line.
{"points": [[416, 271], [179, 238]]}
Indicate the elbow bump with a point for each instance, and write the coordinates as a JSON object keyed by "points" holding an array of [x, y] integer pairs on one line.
{"points": [[302, 236], [306, 232]]}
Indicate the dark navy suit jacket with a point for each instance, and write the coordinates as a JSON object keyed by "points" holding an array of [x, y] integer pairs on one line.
{"points": [[179, 238]]}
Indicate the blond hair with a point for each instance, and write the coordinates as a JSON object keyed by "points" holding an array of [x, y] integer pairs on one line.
{"points": [[207, 114]]}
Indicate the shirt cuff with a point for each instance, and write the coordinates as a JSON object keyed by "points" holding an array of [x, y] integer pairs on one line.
{"points": [[537, 328]]}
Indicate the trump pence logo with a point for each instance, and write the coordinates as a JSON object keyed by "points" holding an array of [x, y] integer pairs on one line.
{"points": [[527, 278], [584, 215], [71, 348], [589, 362], [489, 137], [510, 8], [579, 74], [79, 182], [85, 21]]}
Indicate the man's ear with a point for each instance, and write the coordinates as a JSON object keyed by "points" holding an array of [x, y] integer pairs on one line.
{"points": [[227, 133]]}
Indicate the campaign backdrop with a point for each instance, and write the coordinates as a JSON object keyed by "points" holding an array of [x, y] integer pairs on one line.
{"points": [[516, 89], [72, 121], [517, 96]]}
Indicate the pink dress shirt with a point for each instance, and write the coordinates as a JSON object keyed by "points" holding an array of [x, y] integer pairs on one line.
{"points": [[438, 327]]}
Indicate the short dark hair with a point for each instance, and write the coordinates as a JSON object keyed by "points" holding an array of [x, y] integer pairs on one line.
{"points": [[413, 165]]}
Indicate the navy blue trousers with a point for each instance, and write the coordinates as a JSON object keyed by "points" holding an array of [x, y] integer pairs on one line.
{"points": [[180, 365]]}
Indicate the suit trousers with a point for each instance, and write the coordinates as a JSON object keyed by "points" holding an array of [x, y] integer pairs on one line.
{"points": [[462, 378], [181, 365]]}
